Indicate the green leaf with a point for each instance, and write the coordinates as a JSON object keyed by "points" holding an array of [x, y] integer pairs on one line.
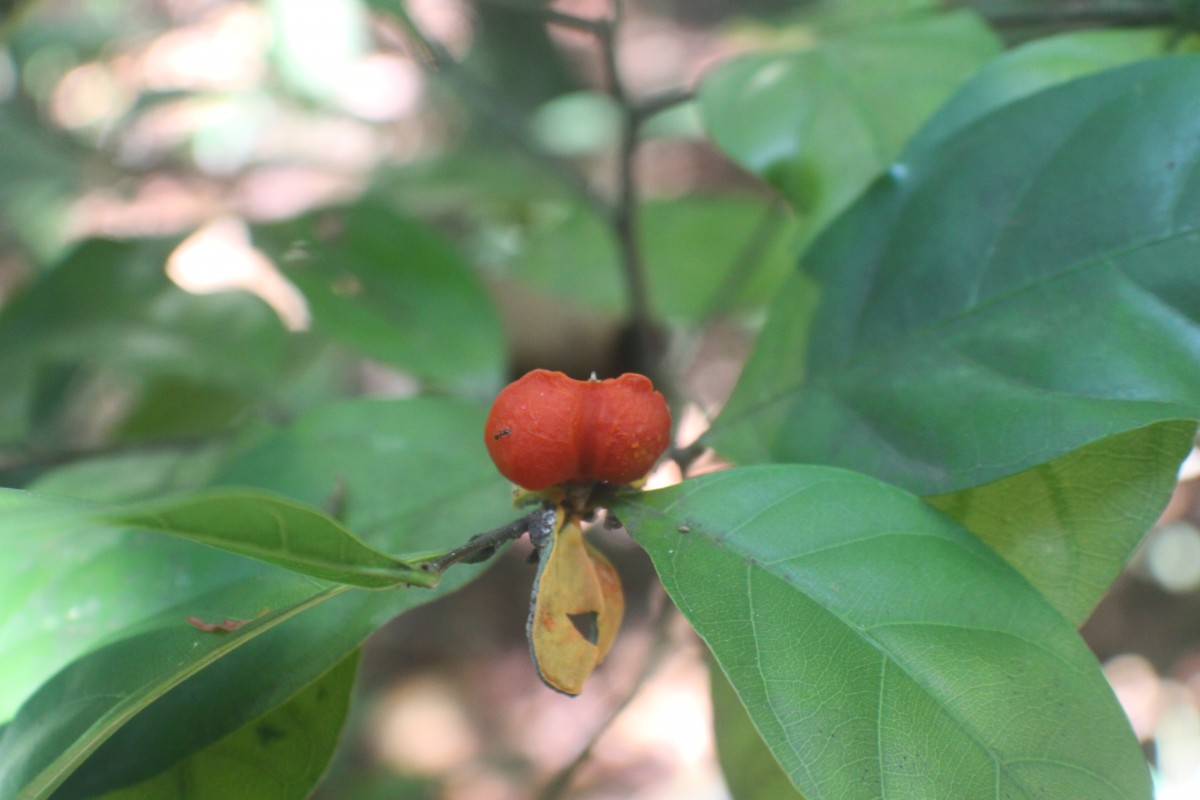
{"points": [[750, 771], [820, 124], [1069, 525], [1005, 299], [1038, 65], [703, 256], [109, 311], [275, 530], [67, 583], [410, 476], [846, 14], [394, 290], [576, 124], [246, 683], [136, 475], [475, 179], [79, 708], [881, 649], [41, 171], [406, 475], [279, 756]]}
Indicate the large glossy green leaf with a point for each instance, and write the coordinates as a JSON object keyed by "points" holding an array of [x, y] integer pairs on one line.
{"points": [[1016, 293], [249, 681], [67, 582], [409, 476], [72, 714], [750, 771], [1038, 65], [279, 756], [880, 648], [821, 123], [703, 255], [1069, 525], [394, 290], [110, 309], [275, 530]]}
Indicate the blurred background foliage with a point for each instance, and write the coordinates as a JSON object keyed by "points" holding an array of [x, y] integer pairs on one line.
{"points": [[221, 216]]}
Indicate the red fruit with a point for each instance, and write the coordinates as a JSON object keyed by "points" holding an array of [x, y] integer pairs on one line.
{"points": [[546, 429]]}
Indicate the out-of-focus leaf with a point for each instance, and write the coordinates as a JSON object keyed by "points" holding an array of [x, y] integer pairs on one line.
{"points": [[470, 180], [703, 256], [40, 170], [409, 476], [127, 477], [1009, 297], [1038, 65], [275, 530], [577, 124], [110, 309], [849, 14], [1069, 525], [180, 409], [822, 123], [396, 291], [880, 648], [279, 756], [750, 771]]}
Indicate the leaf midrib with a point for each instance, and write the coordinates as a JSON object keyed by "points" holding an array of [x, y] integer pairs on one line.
{"points": [[52, 776]]}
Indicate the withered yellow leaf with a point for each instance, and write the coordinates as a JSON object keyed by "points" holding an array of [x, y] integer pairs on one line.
{"points": [[576, 608]]}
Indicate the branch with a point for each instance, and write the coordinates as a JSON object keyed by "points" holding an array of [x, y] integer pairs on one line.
{"points": [[621, 213], [664, 101], [483, 546], [438, 59], [685, 456], [624, 213]]}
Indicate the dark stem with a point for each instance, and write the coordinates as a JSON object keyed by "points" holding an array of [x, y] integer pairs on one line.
{"points": [[663, 101], [621, 213], [685, 456], [624, 212], [483, 546]]}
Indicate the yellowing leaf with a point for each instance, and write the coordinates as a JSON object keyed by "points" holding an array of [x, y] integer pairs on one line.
{"points": [[576, 607], [609, 621]]}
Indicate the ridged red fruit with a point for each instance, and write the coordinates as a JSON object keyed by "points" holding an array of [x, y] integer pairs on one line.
{"points": [[546, 428]]}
